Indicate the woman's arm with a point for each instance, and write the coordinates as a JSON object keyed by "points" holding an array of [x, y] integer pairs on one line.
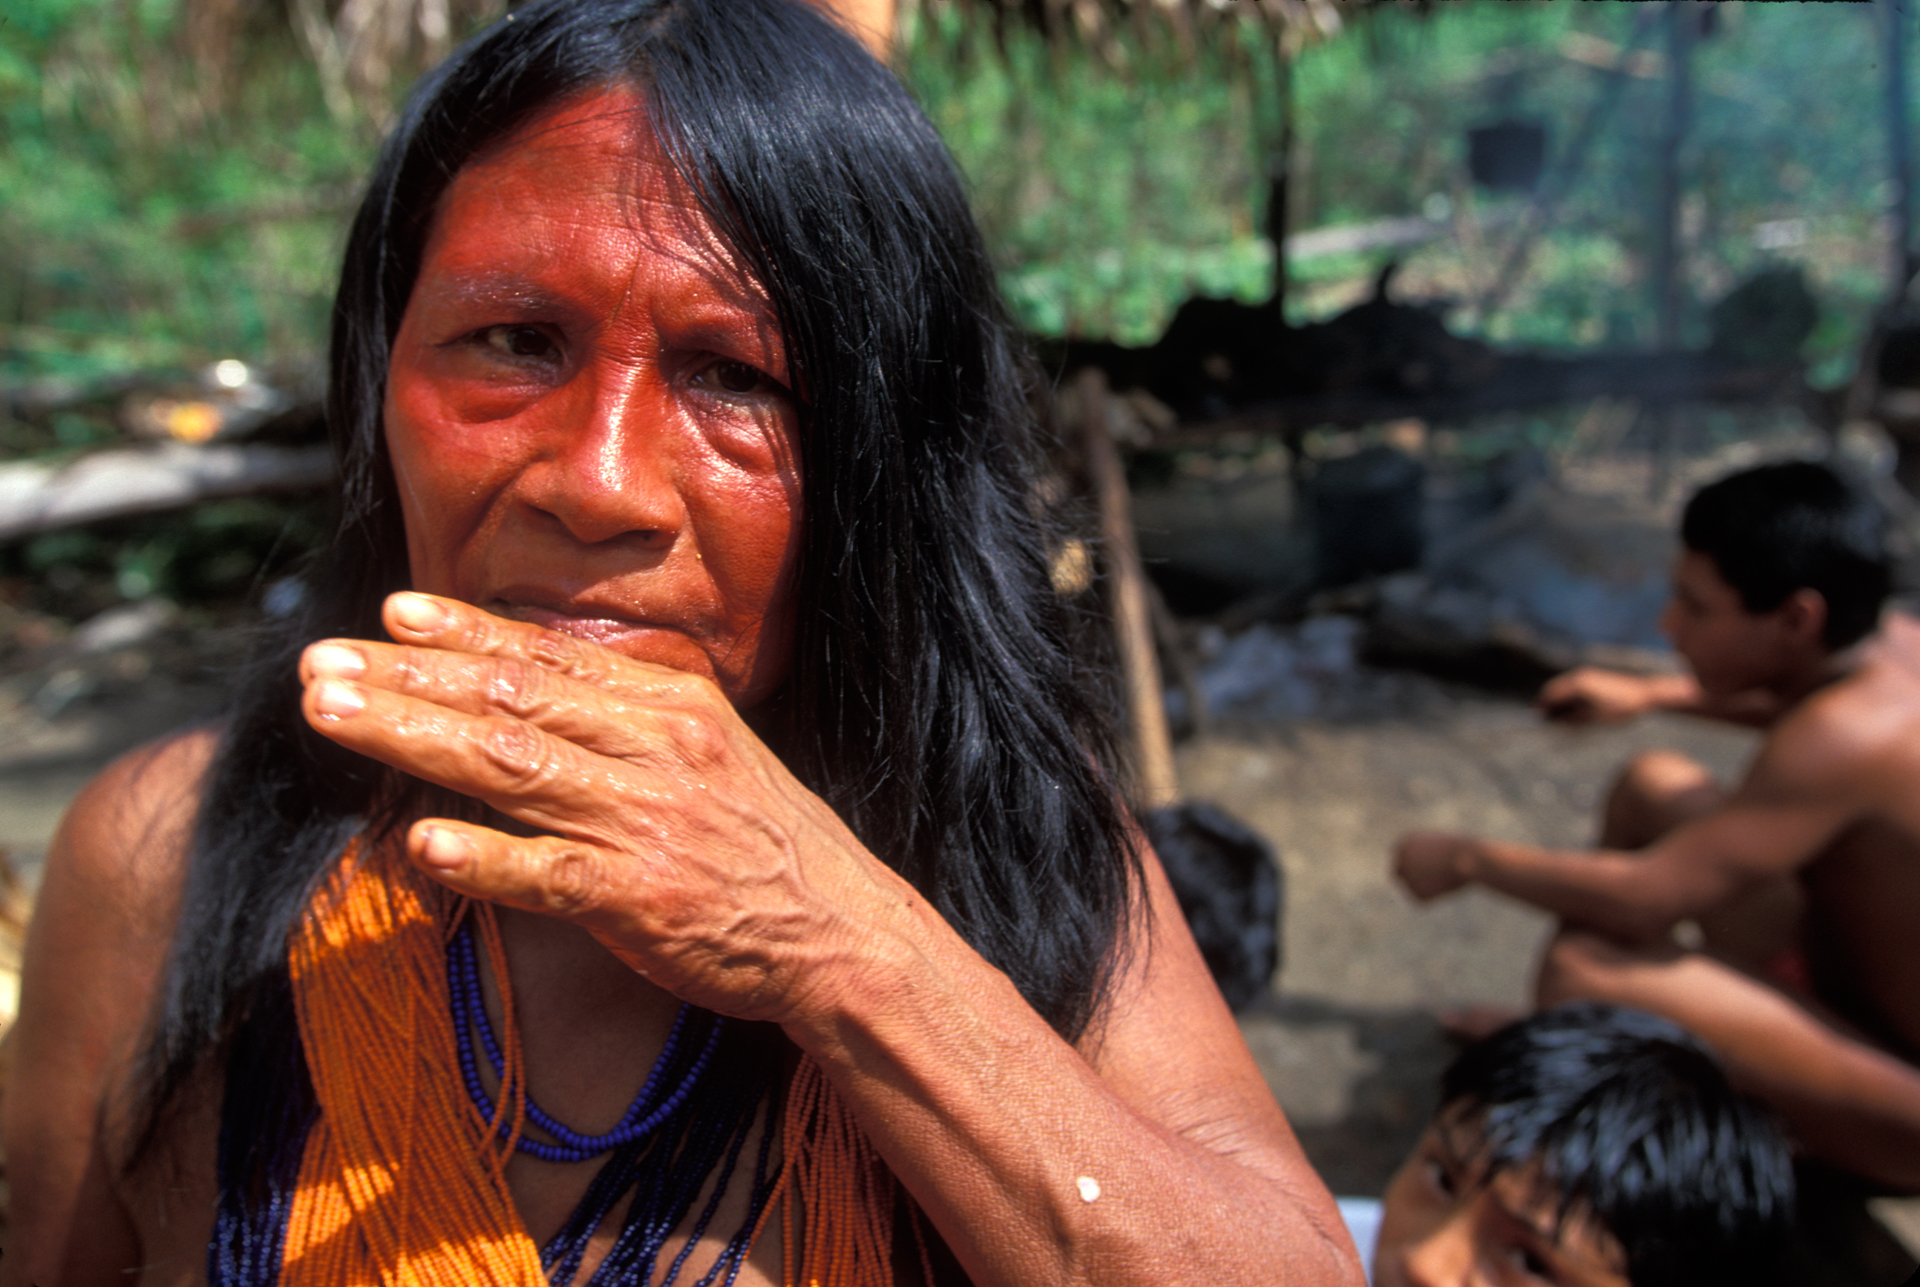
{"points": [[98, 943], [685, 847], [1160, 1157]]}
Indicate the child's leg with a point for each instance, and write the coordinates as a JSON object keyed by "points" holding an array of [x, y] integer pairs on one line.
{"points": [[1656, 792], [1847, 1101], [1759, 932]]}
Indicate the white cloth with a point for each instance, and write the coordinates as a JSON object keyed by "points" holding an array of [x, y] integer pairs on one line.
{"points": [[1363, 1222]]}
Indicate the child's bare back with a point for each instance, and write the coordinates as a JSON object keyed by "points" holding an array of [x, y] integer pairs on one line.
{"points": [[1863, 888]]}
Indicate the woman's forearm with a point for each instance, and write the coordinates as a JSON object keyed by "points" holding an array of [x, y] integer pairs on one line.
{"points": [[1035, 1168]]}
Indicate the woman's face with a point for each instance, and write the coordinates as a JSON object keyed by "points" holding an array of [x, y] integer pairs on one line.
{"points": [[588, 409]]}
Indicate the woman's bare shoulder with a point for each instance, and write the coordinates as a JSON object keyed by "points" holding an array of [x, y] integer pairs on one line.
{"points": [[131, 824], [96, 949]]}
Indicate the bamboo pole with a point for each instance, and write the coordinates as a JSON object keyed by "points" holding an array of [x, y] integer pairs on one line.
{"points": [[1899, 159], [1132, 610]]}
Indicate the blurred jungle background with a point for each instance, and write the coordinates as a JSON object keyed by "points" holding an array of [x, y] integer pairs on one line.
{"points": [[176, 175], [1410, 322]]}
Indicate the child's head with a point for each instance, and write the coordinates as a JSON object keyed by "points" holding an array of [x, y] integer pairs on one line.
{"points": [[1589, 1146], [1794, 525]]}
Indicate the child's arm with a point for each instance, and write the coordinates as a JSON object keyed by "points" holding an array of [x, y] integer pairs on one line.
{"points": [[1805, 787], [1592, 695]]}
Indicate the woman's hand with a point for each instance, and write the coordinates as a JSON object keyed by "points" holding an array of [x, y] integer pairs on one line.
{"points": [[667, 829], [674, 836]]}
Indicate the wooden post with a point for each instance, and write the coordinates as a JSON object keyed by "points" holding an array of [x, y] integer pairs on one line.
{"points": [[1682, 25], [1132, 613], [1280, 181], [1665, 272], [1899, 161]]}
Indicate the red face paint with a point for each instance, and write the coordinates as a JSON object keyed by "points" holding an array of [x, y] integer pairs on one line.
{"points": [[587, 406]]}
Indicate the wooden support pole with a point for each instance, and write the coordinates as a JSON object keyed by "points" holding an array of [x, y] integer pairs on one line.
{"points": [[1893, 13], [1132, 611], [1682, 24]]}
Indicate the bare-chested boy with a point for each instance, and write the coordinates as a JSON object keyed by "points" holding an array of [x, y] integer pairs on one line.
{"points": [[1804, 879]]}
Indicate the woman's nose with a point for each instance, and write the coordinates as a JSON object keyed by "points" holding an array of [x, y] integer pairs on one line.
{"points": [[606, 470]]}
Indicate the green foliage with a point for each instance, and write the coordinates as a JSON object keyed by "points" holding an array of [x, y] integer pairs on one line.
{"points": [[1786, 124], [219, 552], [158, 212], [1108, 194]]}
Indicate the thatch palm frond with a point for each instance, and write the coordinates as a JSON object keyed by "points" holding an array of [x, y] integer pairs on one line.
{"points": [[361, 47], [1190, 24]]}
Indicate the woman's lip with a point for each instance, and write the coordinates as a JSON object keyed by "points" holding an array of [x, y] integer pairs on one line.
{"points": [[582, 623]]}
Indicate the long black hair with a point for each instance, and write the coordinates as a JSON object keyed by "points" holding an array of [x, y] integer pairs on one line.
{"points": [[1635, 1124], [935, 699]]}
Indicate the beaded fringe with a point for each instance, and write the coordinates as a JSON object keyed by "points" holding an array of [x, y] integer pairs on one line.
{"points": [[400, 1181]]}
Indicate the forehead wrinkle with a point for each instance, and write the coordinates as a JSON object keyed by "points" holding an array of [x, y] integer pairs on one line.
{"points": [[677, 255], [493, 288]]}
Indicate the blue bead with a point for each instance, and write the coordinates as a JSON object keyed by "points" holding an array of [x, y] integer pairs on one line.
{"points": [[642, 1117]]}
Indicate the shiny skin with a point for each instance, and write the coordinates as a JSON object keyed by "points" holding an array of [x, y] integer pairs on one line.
{"points": [[587, 408]]}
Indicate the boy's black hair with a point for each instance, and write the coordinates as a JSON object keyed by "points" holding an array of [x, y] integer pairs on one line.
{"points": [[1637, 1126], [1796, 525]]}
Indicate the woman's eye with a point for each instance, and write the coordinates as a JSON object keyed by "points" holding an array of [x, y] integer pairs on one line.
{"points": [[519, 341], [737, 377]]}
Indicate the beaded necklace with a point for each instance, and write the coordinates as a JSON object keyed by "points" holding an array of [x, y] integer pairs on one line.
{"points": [[642, 1116], [688, 1125], [351, 1149], [702, 1124]]}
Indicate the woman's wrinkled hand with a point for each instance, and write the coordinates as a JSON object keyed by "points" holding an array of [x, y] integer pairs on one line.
{"points": [[667, 829]]}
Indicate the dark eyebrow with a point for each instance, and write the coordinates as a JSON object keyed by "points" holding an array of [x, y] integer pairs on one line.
{"points": [[503, 289], [496, 289]]}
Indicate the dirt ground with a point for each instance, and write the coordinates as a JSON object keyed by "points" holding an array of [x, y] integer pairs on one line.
{"points": [[1346, 1037]]}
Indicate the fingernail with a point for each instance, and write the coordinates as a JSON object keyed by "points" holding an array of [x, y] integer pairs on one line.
{"points": [[417, 613], [336, 700], [336, 661], [440, 847]]}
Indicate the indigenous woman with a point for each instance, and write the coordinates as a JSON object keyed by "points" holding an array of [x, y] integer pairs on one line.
{"points": [[673, 842]]}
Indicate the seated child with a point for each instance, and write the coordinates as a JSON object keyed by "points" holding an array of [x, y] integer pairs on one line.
{"points": [[1803, 879], [1587, 1146]]}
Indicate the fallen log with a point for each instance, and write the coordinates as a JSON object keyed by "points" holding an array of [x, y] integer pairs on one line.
{"points": [[124, 482]]}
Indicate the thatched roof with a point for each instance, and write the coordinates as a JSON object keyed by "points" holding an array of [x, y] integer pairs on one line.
{"points": [[1191, 24], [363, 46]]}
